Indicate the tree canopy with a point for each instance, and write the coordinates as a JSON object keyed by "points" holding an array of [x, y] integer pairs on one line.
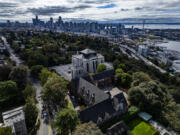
{"points": [[8, 93], [101, 67], [35, 70], [122, 79], [4, 72], [89, 128], [37, 58], [154, 98], [5, 131], [20, 74], [55, 90], [140, 77], [66, 121], [31, 113], [150, 96], [44, 75], [29, 91]]}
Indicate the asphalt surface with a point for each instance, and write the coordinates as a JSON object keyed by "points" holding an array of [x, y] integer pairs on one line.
{"points": [[45, 129], [143, 59], [13, 56], [63, 71]]}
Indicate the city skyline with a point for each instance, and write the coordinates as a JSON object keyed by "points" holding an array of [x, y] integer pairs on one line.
{"points": [[96, 10]]}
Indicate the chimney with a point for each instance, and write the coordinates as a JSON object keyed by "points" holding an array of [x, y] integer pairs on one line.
{"points": [[87, 93], [82, 90], [115, 103], [93, 97]]}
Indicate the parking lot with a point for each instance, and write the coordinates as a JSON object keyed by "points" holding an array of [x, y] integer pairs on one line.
{"points": [[64, 71]]}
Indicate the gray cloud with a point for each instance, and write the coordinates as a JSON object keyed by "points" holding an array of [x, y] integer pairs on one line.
{"points": [[51, 10], [96, 1], [7, 5], [11, 12], [125, 9], [6, 15], [139, 8], [17, 9]]}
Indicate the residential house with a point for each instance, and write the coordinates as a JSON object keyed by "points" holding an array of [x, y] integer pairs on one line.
{"points": [[119, 128]]}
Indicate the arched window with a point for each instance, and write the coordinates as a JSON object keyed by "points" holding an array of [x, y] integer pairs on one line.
{"points": [[87, 67]]}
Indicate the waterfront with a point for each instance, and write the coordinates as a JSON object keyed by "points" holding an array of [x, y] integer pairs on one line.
{"points": [[171, 45], [154, 26]]}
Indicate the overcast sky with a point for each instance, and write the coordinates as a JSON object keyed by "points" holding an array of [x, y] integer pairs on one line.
{"points": [[100, 10]]}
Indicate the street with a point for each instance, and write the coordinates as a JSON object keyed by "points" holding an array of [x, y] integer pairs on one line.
{"points": [[142, 58], [13, 56], [45, 129]]}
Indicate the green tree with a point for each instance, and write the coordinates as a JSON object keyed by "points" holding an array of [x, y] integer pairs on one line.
{"points": [[5, 131], [116, 63], [20, 76], [49, 49], [140, 77], [66, 121], [55, 90], [4, 72], [101, 67], [122, 66], [37, 58], [117, 79], [29, 91], [31, 113], [126, 80], [89, 128], [8, 93], [35, 70], [123, 80], [44, 75], [150, 97], [119, 70]]}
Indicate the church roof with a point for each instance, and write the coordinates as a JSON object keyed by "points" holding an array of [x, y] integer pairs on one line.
{"points": [[87, 51], [99, 76], [99, 94], [92, 113]]}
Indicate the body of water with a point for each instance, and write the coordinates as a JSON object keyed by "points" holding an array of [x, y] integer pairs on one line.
{"points": [[171, 45], [154, 26]]}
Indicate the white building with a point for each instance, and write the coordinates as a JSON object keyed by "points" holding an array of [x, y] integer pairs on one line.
{"points": [[85, 62], [143, 50], [176, 66], [162, 58], [16, 120]]}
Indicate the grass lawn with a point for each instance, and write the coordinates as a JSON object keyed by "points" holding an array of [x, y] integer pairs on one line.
{"points": [[139, 127]]}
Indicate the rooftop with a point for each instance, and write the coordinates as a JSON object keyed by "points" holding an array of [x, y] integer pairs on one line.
{"points": [[118, 128], [145, 116], [90, 57], [104, 109], [12, 116], [87, 51], [91, 89], [115, 91]]}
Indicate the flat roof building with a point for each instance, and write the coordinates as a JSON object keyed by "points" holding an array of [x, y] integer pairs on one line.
{"points": [[16, 120], [176, 66]]}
